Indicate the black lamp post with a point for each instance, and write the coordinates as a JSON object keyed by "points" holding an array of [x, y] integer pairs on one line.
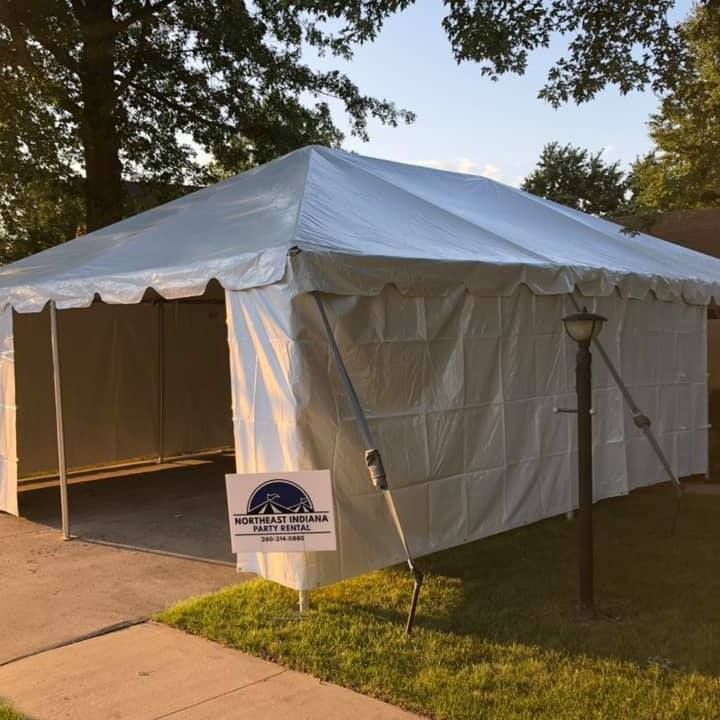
{"points": [[582, 327]]}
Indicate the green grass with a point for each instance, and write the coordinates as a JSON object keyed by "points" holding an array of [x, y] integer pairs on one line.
{"points": [[497, 636], [7, 713]]}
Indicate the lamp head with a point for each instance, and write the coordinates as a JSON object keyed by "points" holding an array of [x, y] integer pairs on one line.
{"points": [[583, 326]]}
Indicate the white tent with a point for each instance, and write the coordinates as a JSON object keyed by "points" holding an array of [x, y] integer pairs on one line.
{"points": [[445, 293]]}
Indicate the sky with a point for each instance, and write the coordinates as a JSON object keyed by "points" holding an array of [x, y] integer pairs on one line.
{"points": [[467, 122]]}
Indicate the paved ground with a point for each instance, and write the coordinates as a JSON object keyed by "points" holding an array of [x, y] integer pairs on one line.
{"points": [[55, 591], [176, 508], [149, 672]]}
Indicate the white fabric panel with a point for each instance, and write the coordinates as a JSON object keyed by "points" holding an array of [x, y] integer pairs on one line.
{"points": [[8, 448], [459, 392], [360, 224]]}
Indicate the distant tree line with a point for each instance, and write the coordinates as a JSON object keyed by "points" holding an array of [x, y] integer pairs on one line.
{"points": [[683, 169]]}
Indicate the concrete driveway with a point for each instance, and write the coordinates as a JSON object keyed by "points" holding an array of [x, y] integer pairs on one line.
{"points": [[146, 540]]}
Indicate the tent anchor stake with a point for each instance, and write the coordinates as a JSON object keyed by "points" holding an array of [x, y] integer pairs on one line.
{"points": [[415, 597]]}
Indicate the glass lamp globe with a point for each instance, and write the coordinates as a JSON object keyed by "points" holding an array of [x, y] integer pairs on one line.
{"points": [[583, 326]]}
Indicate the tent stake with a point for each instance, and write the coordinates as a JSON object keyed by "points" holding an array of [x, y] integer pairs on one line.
{"points": [[373, 460], [62, 466]]}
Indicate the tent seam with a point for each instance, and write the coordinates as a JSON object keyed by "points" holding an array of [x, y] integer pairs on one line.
{"points": [[301, 202]]}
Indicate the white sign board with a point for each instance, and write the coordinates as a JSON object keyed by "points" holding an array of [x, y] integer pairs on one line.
{"points": [[281, 512]]}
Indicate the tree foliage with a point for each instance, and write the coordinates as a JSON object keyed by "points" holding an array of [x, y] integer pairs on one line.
{"points": [[579, 179], [683, 171], [97, 92]]}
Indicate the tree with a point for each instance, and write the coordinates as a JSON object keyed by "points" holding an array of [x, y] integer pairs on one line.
{"points": [[97, 91], [683, 171], [577, 178]]}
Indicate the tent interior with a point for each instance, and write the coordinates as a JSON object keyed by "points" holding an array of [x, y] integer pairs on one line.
{"points": [[146, 408]]}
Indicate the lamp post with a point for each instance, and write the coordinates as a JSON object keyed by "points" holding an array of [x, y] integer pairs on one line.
{"points": [[582, 327]]}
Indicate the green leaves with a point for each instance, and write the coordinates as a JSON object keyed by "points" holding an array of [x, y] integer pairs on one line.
{"points": [[221, 76], [684, 169], [135, 88], [575, 177], [620, 42]]}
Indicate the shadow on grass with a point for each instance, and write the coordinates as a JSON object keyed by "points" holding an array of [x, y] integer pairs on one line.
{"points": [[657, 593]]}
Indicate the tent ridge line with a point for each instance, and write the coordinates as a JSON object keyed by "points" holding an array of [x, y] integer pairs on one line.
{"points": [[451, 214], [301, 201]]}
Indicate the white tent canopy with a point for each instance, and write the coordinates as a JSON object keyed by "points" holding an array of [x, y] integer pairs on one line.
{"points": [[361, 224], [445, 293]]}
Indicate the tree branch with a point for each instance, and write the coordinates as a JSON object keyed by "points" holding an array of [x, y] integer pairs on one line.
{"points": [[137, 63], [19, 35], [146, 13], [21, 57], [188, 113]]}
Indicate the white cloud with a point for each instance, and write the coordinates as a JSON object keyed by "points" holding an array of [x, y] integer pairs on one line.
{"points": [[466, 166]]}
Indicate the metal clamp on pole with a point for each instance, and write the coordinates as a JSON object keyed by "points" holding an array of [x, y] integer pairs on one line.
{"points": [[373, 460], [558, 410]]}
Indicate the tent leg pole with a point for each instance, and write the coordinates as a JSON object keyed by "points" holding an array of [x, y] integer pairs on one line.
{"points": [[62, 466], [303, 600], [161, 385]]}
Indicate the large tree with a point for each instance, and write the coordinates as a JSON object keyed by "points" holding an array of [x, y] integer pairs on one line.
{"points": [[106, 90], [683, 170], [580, 179]]}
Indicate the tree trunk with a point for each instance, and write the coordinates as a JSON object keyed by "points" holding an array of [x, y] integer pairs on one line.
{"points": [[101, 145]]}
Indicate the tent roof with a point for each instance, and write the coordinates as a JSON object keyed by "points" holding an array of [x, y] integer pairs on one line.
{"points": [[338, 222]]}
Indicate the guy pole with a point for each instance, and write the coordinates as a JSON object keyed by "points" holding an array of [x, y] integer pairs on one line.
{"points": [[373, 460], [62, 466], [641, 420]]}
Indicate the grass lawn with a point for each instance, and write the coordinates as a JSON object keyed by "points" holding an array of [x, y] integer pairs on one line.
{"points": [[497, 636], [7, 713]]}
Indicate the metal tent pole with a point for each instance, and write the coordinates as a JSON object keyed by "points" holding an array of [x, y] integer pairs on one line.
{"points": [[62, 466], [161, 385], [373, 460]]}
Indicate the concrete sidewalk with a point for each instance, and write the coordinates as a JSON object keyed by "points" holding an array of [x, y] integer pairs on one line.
{"points": [[149, 672], [53, 592]]}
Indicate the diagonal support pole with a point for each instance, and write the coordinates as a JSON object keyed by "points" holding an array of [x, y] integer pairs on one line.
{"points": [[640, 419], [373, 459]]}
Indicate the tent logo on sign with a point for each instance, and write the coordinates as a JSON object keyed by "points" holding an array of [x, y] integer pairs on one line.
{"points": [[269, 513], [279, 497]]}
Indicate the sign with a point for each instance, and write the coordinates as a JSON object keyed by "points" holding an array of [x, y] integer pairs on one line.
{"points": [[281, 512]]}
